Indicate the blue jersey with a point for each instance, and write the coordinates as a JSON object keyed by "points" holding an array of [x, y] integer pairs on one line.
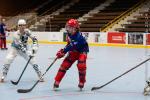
{"points": [[76, 43], [2, 28]]}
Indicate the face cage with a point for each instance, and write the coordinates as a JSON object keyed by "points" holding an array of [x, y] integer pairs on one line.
{"points": [[70, 29], [21, 27]]}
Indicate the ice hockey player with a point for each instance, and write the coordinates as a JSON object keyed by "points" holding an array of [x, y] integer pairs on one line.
{"points": [[19, 46], [2, 34], [77, 49]]}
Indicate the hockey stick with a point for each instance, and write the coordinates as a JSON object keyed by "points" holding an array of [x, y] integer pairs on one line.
{"points": [[28, 90], [96, 88], [15, 83]]}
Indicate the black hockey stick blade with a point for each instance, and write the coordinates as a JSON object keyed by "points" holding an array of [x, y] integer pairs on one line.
{"points": [[16, 82], [96, 88], [24, 90], [99, 87], [28, 90]]}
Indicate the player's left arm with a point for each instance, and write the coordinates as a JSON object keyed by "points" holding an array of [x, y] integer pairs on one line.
{"points": [[34, 42]]}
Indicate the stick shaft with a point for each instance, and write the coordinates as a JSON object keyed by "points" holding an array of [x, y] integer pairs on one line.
{"points": [[95, 88]]}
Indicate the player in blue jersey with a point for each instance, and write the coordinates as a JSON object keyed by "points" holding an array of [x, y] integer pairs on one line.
{"points": [[2, 34], [77, 49]]}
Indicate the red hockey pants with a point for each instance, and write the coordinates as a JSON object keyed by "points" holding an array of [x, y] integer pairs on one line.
{"points": [[68, 61]]}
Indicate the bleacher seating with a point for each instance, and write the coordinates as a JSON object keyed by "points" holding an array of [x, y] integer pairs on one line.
{"points": [[75, 11], [140, 24], [80, 8], [51, 6], [109, 13]]}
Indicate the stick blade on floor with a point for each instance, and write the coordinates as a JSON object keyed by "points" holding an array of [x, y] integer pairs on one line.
{"points": [[23, 90], [15, 83]]}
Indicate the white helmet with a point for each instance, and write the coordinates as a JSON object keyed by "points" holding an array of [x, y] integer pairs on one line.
{"points": [[21, 22]]}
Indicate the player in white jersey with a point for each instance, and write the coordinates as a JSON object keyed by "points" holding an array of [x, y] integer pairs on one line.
{"points": [[19, 46]]}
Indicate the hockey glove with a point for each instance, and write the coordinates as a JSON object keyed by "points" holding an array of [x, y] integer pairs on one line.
{"points": [[23, 49], [60, 53], [30, 53], [34, 48]]}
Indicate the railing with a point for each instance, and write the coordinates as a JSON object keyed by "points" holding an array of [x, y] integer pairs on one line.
{"points": [[123, 15]]}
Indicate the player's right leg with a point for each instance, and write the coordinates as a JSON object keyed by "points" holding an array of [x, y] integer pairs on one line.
{"points": [[66, 64], [9, 59], [0, 42], [5, 47], [4, 71], [61, 72]]}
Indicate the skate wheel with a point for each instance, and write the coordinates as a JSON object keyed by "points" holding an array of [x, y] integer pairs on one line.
{"points": [[55, 89], [80, 89]]}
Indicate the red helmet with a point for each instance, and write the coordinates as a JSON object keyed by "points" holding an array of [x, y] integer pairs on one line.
{"points": [[73, 23]]}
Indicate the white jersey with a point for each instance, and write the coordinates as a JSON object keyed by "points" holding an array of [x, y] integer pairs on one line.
{"points": [[19, 46], [20, 40]]}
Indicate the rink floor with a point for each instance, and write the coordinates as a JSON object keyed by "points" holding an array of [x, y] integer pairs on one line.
{"points": [[103, 64]]}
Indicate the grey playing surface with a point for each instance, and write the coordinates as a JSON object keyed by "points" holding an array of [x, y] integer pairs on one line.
{"points": [[103, 64]]}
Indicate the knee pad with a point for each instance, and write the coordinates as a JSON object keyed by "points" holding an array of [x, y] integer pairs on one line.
{"points": [[82, 62], [81, 66], [65, 66], [9, 59]]}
